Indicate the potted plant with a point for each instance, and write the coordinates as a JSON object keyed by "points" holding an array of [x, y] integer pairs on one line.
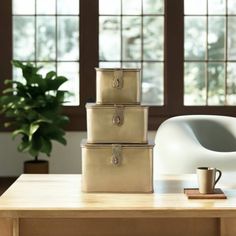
{"points": [[32, 107]]}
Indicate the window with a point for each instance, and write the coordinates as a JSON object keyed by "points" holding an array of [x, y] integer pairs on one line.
{"points": [[50, 29], [210, 55], [131, 34], [172, 43]]}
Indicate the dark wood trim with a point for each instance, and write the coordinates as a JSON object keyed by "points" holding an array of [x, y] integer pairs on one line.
{"points": [[5, 45], [77, 117], [174, 49], [6, 41], [88, 49]]}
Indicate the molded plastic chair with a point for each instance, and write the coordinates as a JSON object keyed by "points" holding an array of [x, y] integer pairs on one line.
{"points": [[184, 143]]}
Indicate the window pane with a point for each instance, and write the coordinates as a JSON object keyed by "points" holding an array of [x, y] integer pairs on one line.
{"points": [[109, 64], [17, 75], [28, 8], [193, 7], [195, 38], [131, 7], [216, 86], [48, 8], [71, 71], [46, 38], [68, 38], [216, 38], [65, 7], [232, 37], [153, 6], [216, 7], [231, 7], [153, 38], [108, 7], [152, 84], [231, 83], [46, 67], [131, 38], [131, 64], [23, 38], [194, 84], [109, 38]]}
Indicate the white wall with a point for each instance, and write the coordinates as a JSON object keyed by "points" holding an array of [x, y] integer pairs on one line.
{"points": [[63, 160]]}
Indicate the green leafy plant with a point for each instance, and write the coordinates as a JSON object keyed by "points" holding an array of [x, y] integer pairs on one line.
{"points": [[32, 107]]}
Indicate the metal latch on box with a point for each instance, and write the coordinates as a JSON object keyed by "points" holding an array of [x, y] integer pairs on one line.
{"points": [[118, 117], [118, 79], [116, 154]]}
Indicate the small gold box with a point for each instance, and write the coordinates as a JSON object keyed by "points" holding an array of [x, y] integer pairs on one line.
{"points": [[118, 86]]}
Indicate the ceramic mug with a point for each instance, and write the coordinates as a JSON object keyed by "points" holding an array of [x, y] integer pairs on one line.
{"points": [[207, 179]]}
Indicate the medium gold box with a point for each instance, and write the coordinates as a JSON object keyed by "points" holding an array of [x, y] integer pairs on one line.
{"points": [[117, 167], [116, 123], [118, 86]]}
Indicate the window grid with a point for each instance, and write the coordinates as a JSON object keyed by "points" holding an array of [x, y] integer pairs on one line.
{"points": [[208, 60], [89, 58], [139, 62], [56, 60]]}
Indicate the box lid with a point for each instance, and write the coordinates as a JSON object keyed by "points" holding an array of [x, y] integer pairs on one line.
{"points": [[84, 143], [115, 69], [95, 105]]}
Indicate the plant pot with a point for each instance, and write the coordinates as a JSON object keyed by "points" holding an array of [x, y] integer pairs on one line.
{"points": [[36, 167]]}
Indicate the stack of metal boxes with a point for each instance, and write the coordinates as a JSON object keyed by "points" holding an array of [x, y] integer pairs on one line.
{"points": [[116, 157]]}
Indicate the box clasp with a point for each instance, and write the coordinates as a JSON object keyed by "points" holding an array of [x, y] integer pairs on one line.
{"points": [[118, 117], [118, 79], [116, 154]]}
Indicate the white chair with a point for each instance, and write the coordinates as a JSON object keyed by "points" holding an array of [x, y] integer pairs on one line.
{"points": [[183, 143]]}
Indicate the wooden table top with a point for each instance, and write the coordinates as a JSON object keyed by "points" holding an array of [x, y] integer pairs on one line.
{"points": [[60, 196]]}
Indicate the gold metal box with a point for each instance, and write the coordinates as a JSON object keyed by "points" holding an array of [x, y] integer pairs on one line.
{"points": [[117, 168], [116, 123], [118, 86]]}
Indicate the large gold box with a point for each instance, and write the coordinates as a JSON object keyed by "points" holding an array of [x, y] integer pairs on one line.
{"points": [[118, 86], [116, 123], [117, 168]]}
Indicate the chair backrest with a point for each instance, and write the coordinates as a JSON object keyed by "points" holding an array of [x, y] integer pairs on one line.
{"points": [[186, 142], [213, 132]]}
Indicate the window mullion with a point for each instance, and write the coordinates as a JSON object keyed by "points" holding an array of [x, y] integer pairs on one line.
{"points": [[88, 49], [6, 41], [174, 48], [207, 54]]}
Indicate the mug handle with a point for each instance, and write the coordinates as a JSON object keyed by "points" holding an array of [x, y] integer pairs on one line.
{"points": [[218, 178]]}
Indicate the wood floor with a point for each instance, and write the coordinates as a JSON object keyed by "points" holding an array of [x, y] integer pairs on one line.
{"points": [[5, 183]]}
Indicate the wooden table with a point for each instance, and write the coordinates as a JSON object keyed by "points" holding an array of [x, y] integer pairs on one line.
{"points": [[53, 205]]}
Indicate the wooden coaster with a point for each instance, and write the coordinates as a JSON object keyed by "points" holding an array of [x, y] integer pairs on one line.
{"points": [[193, 193]]}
